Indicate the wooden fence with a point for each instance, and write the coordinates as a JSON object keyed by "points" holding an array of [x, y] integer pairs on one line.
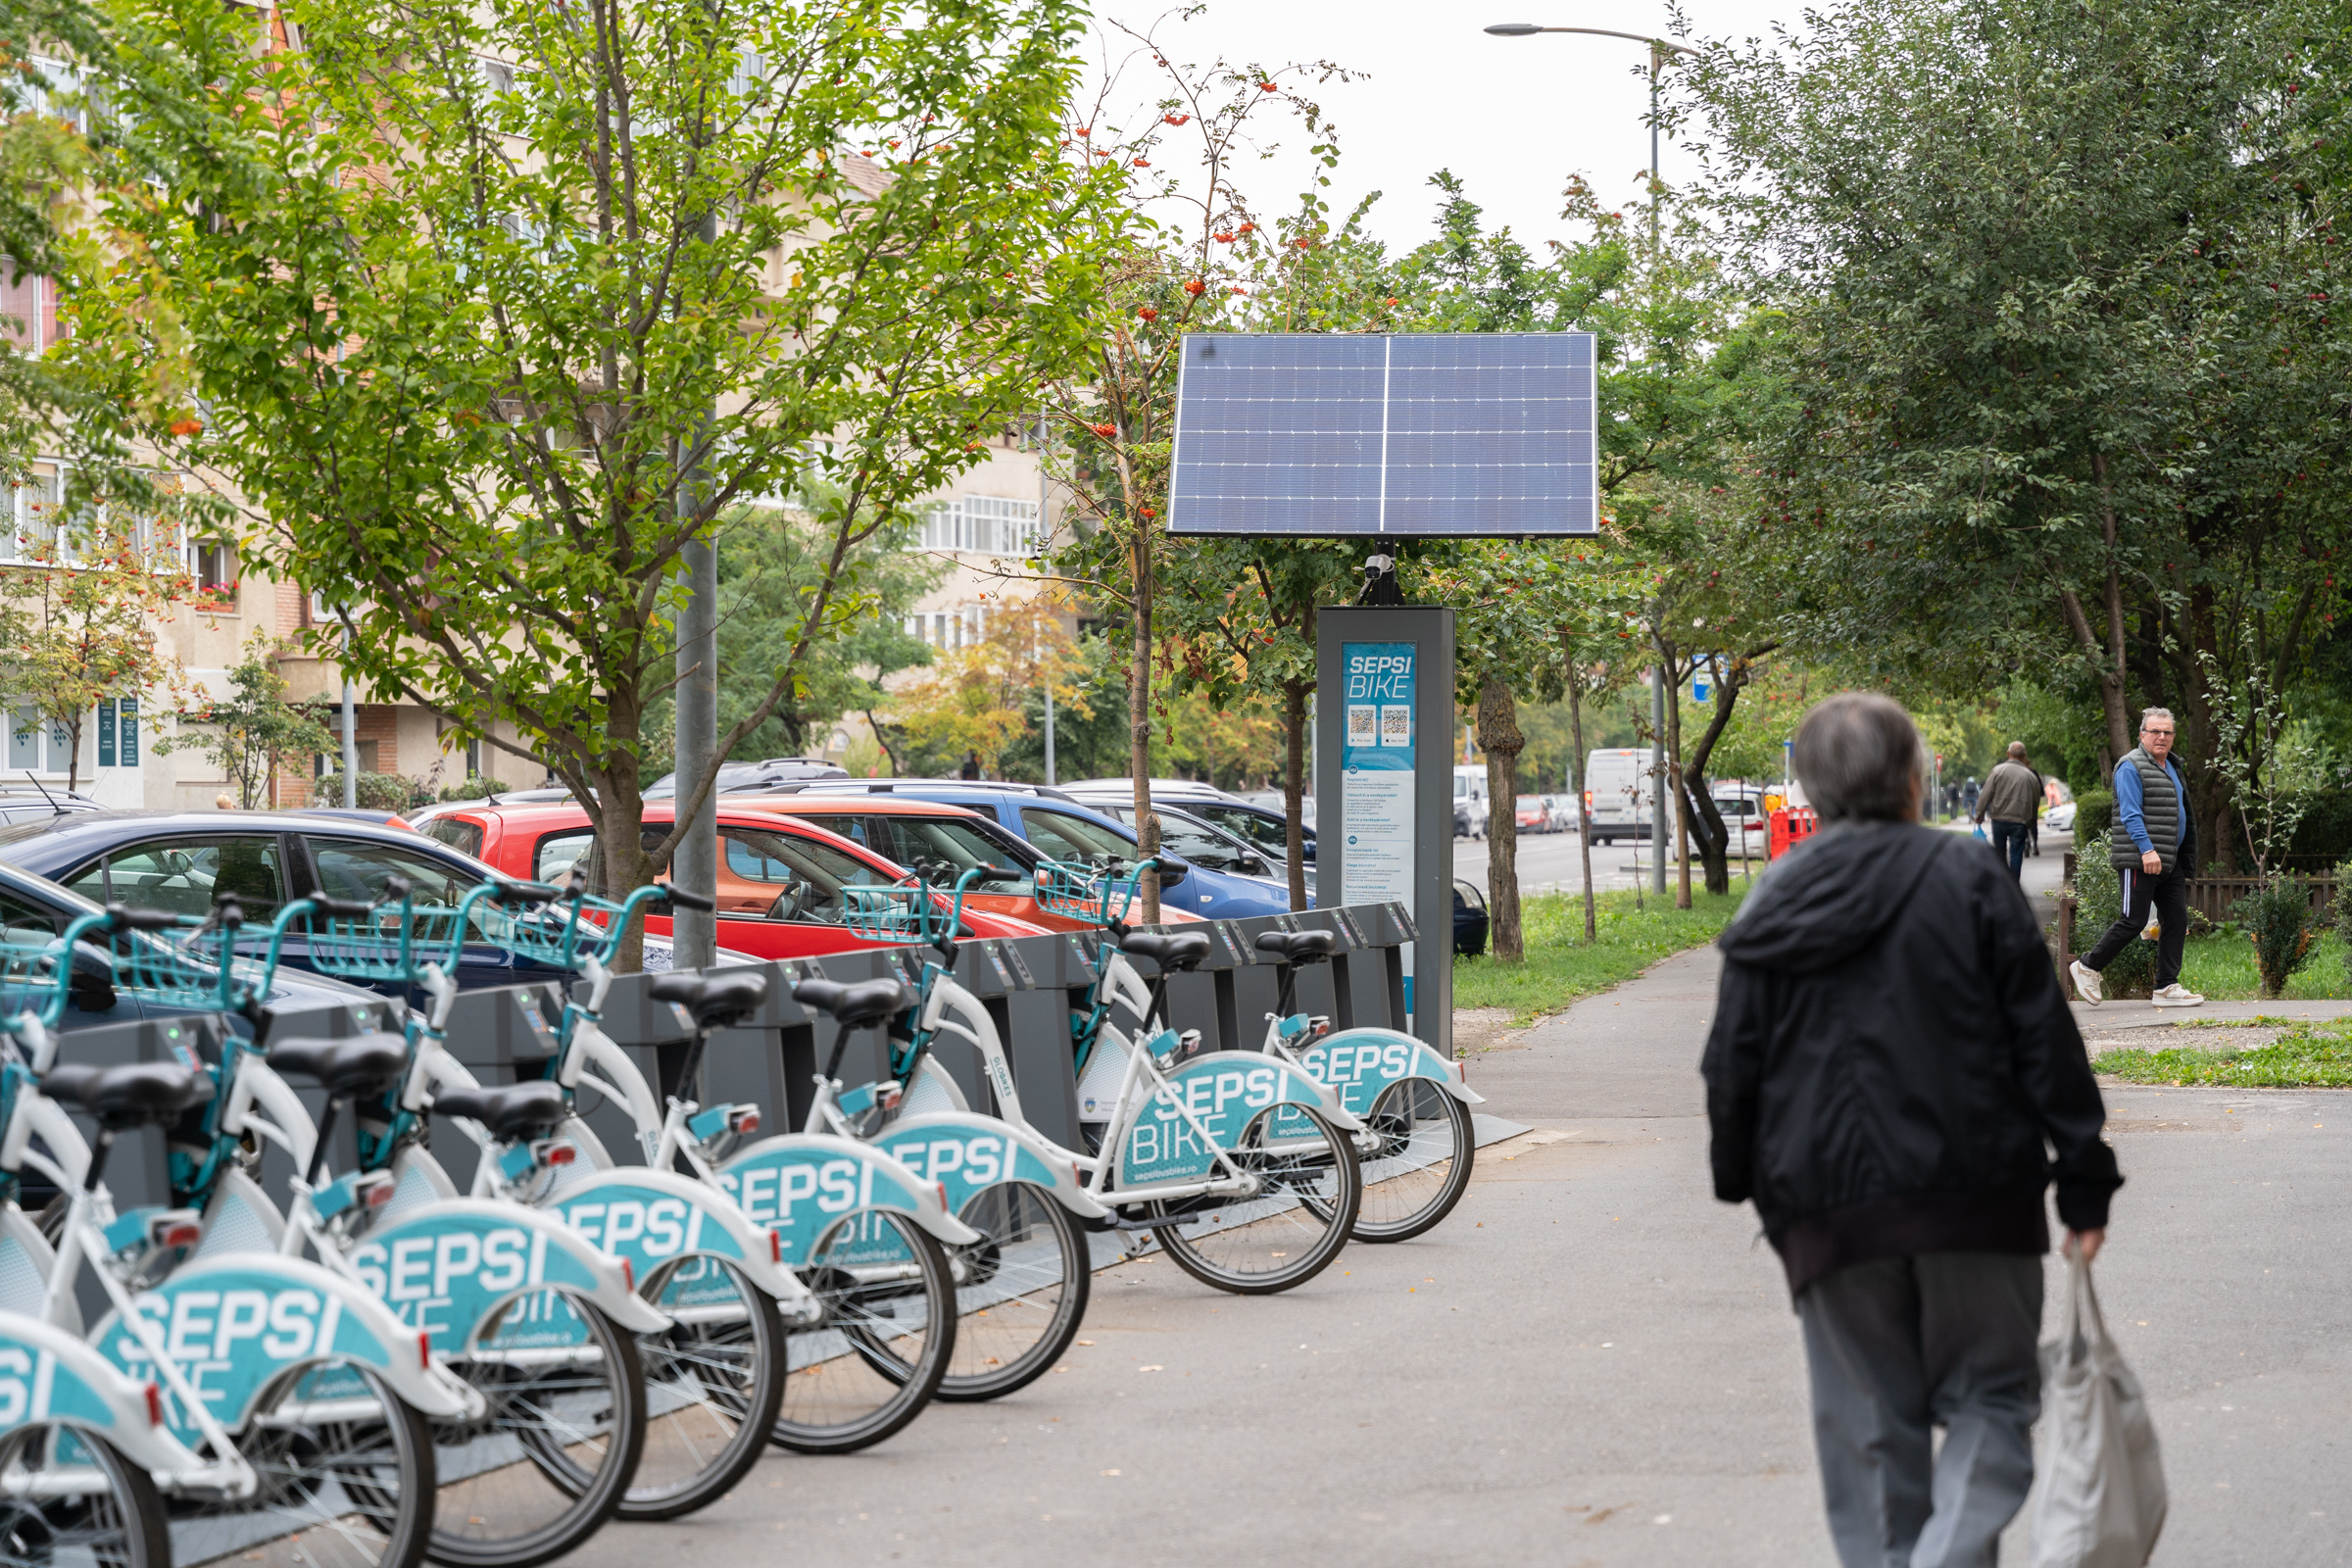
{"points": [[2210, 896]]}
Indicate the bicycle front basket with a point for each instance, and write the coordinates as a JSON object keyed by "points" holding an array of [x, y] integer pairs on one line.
{"points": [[897, 912], [1077, 891], [390, 942], [565, 935], [35, 977], [191, 965]]}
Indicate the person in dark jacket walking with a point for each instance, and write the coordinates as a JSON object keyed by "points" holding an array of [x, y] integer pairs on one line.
{"points": [[2012, 799], [2153, 846], [1891, 1065]]}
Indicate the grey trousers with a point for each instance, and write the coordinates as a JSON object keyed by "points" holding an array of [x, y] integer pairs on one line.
{"points": [[1896, 1348]]}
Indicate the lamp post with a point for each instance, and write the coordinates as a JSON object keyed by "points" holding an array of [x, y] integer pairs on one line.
{"points": [[1659, 49]]}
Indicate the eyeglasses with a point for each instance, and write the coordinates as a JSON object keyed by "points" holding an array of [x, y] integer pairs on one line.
{"points": [[2157, 734]]}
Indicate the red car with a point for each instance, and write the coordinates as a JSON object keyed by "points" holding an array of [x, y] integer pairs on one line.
{"points": [[779, 880], [909, 829]]}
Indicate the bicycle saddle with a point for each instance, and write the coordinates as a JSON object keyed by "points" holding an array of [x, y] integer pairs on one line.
{"points": [[514, 1111], [133, 1095], [345, 1068], [1292, 946], [855, 1006], [1170, 949], [716, 1000]]}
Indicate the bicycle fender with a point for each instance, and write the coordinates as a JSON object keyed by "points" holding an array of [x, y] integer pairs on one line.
{"points": [[654, 1217], [800, 1185], [1359, 1064], [47, 1375], [966, 1152], [235, 1324], [465, 1270], [1224, 1091]]}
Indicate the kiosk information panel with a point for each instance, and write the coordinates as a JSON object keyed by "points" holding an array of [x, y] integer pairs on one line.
{"points": [[1384, 709]]}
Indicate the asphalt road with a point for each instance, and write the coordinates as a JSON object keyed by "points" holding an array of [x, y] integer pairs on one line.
{"points": [[1594, 1362]]}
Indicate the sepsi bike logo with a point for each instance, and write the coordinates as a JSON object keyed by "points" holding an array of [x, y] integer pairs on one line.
{"points": [[420, 1277], [770, 1194], [1374, 676], [660, 1229], [205, 1332], [1222, 1102], [1356, 1068], [974, 1161]]}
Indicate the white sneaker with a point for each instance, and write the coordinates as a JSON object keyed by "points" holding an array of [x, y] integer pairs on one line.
{"points": [[2087, 983], [2177, 994]]}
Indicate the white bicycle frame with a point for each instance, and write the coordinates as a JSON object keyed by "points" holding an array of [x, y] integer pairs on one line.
{"points": [[89, 1209], [951, 1009]]}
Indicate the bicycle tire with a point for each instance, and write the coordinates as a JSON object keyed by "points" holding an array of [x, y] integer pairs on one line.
{"points": [[858, 1344], [360, 1493], [1435, 1199], [610, 1407], [726, 1377], [990, 1359], [1322, 1181], [124, 1527]]}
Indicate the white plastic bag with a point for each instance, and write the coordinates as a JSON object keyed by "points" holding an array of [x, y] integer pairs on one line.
{"points": [[2098, 1494]]}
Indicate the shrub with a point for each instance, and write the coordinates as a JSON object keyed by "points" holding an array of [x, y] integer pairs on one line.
{"points": [[2094, 815], [474, 787], [2098, 901], [2279, 922], [376, 791]]}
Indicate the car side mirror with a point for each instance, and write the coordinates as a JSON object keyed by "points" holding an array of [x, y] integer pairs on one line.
{"points": [[91, 983], [1251, 866]]}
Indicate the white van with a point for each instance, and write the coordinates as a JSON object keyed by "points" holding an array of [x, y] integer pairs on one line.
{"points": [[1617, 794], [1470, 801]]}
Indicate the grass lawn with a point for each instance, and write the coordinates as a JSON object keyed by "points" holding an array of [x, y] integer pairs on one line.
{"points": [[2221, 965], [2318, 1054], [1559, 969]]}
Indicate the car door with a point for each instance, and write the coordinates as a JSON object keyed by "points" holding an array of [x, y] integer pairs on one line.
{"points": [[89, 1001], [359, 868], [954, 846], [799, 880], [184, 873]]}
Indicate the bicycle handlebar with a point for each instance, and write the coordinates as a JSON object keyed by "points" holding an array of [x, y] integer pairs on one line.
{"points": [[685, 899]]}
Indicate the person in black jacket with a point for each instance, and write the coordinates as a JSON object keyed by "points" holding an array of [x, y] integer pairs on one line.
{"points": [[1891, 1070]]}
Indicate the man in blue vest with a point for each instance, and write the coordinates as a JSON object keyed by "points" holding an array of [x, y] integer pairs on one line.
{"points": [[2153, 846]]}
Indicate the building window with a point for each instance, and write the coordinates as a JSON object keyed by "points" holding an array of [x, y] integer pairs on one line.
{"points": [[984, 526], [213, 562]]}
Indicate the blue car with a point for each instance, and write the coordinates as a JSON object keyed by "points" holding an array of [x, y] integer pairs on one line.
{"points": [[179, 861], [34, 912], [1060, 829]]}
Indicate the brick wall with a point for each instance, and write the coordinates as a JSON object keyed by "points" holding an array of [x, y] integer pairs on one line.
{"points": [[374, 726]]}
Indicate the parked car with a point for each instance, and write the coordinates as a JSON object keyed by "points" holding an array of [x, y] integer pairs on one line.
{"points": [[904, 829], [2060, 819], [779, 879], [1532, 814], [1249, 817], [1269, 803], [1743, 815], [742, 778], [29, 800], [1061, 829], [1470, 810], [1210, 847], [34, 909], [1617, 794], [1470, 919], [179, 861]]}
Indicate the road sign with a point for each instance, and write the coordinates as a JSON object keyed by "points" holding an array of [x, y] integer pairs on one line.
{"points": [[1461, 434], [1700, 691]]}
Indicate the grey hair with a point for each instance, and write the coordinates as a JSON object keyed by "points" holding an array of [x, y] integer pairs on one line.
{"points": [[2147, 713], [1859, 756], [2017, 748]]}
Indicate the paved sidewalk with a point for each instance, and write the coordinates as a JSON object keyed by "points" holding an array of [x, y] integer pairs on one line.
{"points": [[1593, 1362]]}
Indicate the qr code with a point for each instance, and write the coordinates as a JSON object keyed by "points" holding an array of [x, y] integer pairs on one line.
{"points": [[1397, 725], [1360, 723]]}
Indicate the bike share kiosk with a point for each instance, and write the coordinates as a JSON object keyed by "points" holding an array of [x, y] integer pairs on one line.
{"points": [[1387, 438]]}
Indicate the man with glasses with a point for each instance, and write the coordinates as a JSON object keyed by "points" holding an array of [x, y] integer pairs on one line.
{"points": [[2152, 846]]}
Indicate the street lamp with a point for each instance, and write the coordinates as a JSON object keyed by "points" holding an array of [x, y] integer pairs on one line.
{"points": [[1659, 49]]}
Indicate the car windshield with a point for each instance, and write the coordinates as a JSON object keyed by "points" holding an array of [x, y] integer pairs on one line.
{"points": [[1203, 846], [1531, 803], [1263, 831], [1059, 836], [953, 847]]}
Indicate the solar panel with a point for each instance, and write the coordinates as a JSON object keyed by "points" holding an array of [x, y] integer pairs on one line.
{"points": [[1461, 433]]}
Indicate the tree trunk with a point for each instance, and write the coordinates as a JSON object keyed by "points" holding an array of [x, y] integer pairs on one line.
{"points": [[1584, 817], [1714, 838], [1293, 787], [617, 809], [1139, 714], [1673, 778], [74, 755], [1499, 737]]}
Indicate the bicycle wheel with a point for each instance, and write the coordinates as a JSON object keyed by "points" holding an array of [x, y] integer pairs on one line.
{"points": [[1020, 1291], [346, 1479], [66, 1496], [557, 1445], [712, 1382], [1419, 1163], [1288, 1231], [888, 1333]]}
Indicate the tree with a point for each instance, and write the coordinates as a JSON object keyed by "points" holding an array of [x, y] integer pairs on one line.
{"points": [[502, 307], [975, 698], [80, 632], [252, 733], [2065, 381], [1160, 280]]}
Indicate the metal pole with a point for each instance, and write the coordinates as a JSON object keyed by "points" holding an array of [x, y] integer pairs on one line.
{"points": [[1044, 534], [695, 866], [351, 734], [1657, 780]]}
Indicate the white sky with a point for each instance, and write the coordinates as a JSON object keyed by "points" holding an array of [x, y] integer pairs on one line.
{"points": [[1513, 117]]}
